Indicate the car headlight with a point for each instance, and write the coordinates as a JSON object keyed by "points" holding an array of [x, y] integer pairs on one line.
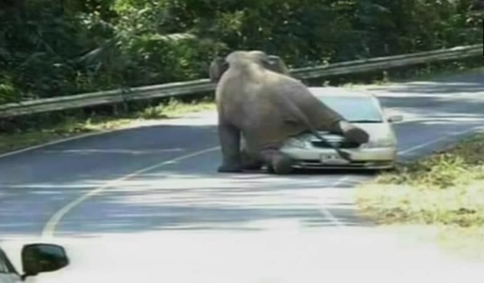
{"points": [[296, 143], [379, 143]]}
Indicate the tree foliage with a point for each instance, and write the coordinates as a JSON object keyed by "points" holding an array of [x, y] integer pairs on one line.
{"points": [[52, 48]]}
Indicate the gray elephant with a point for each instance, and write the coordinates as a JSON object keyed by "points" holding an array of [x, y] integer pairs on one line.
{"points": [[257, 98], [217, 69]]}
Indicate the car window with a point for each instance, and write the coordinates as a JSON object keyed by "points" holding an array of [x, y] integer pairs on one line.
{"points": [[5, 264], [355, 109]]}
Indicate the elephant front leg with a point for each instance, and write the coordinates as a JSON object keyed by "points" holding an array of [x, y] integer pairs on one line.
{"points": [[277, 162], [351, 132], [230, 144]]}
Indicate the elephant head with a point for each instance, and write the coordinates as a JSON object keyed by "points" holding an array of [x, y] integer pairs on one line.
{"points": [[217, 69], [271, 62]]}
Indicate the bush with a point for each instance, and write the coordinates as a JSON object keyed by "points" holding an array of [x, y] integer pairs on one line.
{"points": [[58, 48]]}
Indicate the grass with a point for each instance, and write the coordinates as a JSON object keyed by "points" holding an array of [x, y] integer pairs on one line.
{"points": [[75, 125], [445, 190]]}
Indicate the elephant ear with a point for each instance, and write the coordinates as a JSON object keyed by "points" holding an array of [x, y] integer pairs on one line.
{"points": [[217, 69], [276, 64]]}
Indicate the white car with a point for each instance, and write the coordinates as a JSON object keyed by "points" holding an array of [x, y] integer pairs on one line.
{"points": [[363, 110], [36, 258]]}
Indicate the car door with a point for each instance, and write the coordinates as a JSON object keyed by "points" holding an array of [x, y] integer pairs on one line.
{"points": [[8, 274]]}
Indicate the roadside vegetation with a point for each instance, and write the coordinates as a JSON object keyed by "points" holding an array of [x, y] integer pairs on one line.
{"points": [[444, 190], [58, 48]]}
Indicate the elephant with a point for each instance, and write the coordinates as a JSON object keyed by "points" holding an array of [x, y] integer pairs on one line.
{"points": [[258, 100], [217, 69]]}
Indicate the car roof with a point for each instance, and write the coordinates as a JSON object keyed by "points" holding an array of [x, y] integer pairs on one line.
{"points": [[339, 91]]}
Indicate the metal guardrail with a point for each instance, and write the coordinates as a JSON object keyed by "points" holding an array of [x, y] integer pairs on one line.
{"points": [[203, 85]]}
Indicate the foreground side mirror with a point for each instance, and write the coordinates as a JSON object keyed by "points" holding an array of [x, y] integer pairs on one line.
{"points": [[39, 258], [395, 118]]}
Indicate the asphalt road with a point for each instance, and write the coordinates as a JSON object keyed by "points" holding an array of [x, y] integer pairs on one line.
{"points": [[86, 188]]}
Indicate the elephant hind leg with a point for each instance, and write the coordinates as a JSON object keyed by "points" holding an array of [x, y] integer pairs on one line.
{"points": [[230, 144], [277, 162]]}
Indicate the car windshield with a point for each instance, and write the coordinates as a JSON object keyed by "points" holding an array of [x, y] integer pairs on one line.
{"points": [[354, 109]]}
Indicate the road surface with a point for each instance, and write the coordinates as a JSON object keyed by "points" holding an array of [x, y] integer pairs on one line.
{"points": [[148, 201]]}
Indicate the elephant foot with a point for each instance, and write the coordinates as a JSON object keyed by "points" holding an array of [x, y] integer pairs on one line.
{"points": [[353, 133], [358, 135], [277, 162], [281, 165], [250, 163], [230, 169], [252, 166]]}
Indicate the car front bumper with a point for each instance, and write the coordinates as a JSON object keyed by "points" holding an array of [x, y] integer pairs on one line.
{"points": [[366, 158]]}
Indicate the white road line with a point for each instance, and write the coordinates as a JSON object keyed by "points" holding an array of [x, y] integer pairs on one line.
{"points": [[30, 148], [51, 225], [49, 228], [77, 137], [328, 213], [434, 141], [59, 141]]}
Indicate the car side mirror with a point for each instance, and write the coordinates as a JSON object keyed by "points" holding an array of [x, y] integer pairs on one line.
{"points": [[39, 258], [395, 118]]}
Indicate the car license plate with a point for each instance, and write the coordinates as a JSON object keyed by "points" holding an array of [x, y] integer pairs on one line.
{"points": [[332, 159]]}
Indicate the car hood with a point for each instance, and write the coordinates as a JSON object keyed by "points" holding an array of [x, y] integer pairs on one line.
{"points": [[375, 130]]}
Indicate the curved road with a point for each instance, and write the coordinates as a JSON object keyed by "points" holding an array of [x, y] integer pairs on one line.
{"points": [[157, 186]]}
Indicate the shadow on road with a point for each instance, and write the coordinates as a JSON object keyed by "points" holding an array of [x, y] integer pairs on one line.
{"points": [[210, 202]]}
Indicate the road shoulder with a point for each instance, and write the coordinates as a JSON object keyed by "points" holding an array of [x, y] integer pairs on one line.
{"points": [[442, 193]]}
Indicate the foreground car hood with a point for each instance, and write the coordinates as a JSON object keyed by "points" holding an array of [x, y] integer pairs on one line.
{"points": [[376, 132]]}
